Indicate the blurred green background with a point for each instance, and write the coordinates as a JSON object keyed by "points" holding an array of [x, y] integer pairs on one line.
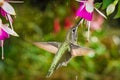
{"points": [[48, 20]]}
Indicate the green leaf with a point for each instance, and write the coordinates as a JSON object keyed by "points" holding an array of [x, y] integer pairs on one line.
{"points": [[98, 5], [115, 2], [118, 12], [106, 3]]}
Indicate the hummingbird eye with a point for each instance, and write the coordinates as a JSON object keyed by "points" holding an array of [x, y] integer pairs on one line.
{"points": [[73, 30]]}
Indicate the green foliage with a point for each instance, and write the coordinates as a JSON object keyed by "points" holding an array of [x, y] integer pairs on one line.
{"points": [[98, 5], [111, 6], [106, 3], [118, 11]]}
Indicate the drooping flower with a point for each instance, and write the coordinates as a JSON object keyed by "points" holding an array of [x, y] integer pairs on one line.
{"points": [[86, 10], [3, 35], [7, 10], [5, 31]]}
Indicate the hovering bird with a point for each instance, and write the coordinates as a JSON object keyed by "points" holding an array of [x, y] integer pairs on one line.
{"points": [[64, 51]]}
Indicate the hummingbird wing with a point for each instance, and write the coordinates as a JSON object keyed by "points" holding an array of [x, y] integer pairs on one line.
{"points": [[48, 46], [80, 51]]}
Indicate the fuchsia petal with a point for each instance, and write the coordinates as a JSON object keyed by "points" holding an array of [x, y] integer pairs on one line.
{"points": [[3, 35], [9, 30], [81, 12], [3, 13], [8, 8], [10, 20]]}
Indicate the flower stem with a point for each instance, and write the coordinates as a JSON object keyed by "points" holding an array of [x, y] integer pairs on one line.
{"points": [[16, 1]]}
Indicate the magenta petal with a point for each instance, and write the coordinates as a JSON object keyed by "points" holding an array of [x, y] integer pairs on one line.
{"points": [[81, 12], [3, 13], [3, 35]]}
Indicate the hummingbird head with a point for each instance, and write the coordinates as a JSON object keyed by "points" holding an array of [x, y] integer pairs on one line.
{"points": [[72, 34]]}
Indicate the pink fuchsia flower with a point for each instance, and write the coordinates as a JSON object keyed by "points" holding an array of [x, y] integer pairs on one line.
{"points": [[7, 10], [86, 10], [3, 35], [5, 31]]}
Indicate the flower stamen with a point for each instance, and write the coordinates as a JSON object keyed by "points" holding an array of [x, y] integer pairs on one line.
{"points": [[2, 42], [88, 33]]}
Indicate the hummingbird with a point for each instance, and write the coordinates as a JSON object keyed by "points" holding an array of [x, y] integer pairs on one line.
{"points": [[64, 51]]}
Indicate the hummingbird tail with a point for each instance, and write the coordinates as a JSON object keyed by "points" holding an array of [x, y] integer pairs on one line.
{"points": [[49, 74]]}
